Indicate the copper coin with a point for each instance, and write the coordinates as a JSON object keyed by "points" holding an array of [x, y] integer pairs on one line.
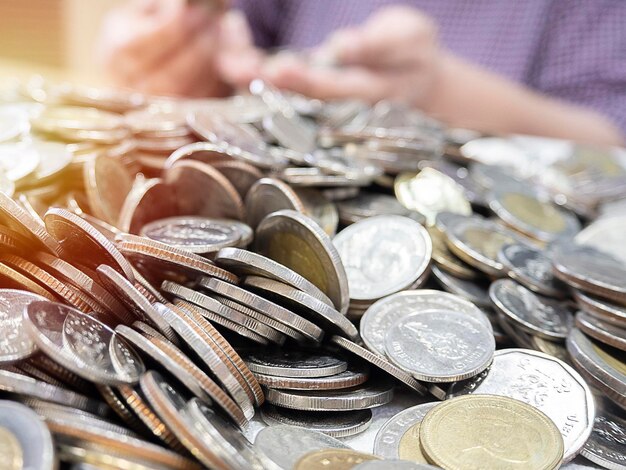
{"points": [[11, 278]]}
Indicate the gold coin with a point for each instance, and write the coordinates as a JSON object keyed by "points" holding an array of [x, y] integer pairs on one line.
{"points": [[410, 447], [486, 431], [10, 450], [332, 459]]}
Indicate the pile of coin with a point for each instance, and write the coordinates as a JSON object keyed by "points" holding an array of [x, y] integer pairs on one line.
{"points": [[268, 281]]}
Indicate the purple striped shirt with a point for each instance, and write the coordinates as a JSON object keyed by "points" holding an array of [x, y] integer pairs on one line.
{"points": [[570, 49]]}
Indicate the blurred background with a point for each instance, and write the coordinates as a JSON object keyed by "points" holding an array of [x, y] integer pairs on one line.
{"points": [[52, 37]]}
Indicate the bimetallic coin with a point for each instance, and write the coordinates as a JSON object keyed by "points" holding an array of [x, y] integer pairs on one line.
{"points": [[25, 441], [536, 315], [490, 432], [285, 363], [531, 268], [544, 382], [398, 438], [285, 444], [440, 345], [534, 217], [332, 459], [383, 255], [604, 332], [297, 242], [381, 315], [15, 343], [334, 423]]}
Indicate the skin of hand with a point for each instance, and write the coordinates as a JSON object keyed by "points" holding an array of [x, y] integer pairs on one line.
{"points": [[396, 55], [169, 47]]}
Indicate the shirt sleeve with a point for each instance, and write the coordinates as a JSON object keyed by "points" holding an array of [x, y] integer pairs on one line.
{"points": [[263, 18], [582, 56]]}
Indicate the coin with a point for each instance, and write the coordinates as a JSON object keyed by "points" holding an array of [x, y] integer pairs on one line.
{"points": [[383, 255], [148, 200], [195, 234], [25, 441], [440, 345], [445, 259], [244, 262], [356, 398], [107, 183], [319, 208], [392, 464], [537, 315], [334, 424], [601, 309], [605, 234], [285, 444], [270, 195], [285, 363], [381, 315], [82, 344], [284, 233], [605, 445], [18, 161], [430, 192], [347, 379], [546, 383], [399, 436], [336, 459], [477, 423], [604, 332], [532, 216], [476, 291], [240, 174]]}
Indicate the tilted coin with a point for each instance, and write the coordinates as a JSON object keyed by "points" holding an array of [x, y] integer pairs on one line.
{"points": [[25, 441], [398, 438], [380, 316], [196, 234], [379, 362], [335, 459], [16, 280], [476, 291], [107, 183], [243, 262], [383, 255], [535, 217], [15, 343], [318, 312], [546, 383], [148, 200], [488, 431], [297, 363], [531, 268], [604, 332], [285, 444], [270, 195], [605, 368], [445, 259], [601, 309], [537, 315], [440, 345], [82, 344], [283, 234], [430, 192], [477, 242], [355, 398], [240, 174], [605, 446], [346, 379], [333, 423]]}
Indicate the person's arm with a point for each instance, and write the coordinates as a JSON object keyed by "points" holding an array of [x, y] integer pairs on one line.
{"points": [[395, 55]]}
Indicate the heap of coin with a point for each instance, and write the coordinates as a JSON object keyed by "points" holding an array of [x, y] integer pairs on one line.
{"points": [[170, 267]]}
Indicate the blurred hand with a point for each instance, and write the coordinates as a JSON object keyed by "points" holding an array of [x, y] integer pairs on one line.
{"points": [[394, 55], [170, 47]]}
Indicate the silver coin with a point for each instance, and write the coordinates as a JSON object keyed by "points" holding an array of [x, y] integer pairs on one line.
{"points": [[15, 343], [270, 195], [356, 398], [604, 332], [383, 255], [531, 268], [546, 383], [601, 309], [392, 464], [372, 204], [285, 363], [223, 374], [318, 312], [605, 234], [242, 262], [285, 444], [379, 362], [519, 337], [440, 345], [284, 233], [197, 234], [537, 315], [602, 368], [36, 448], [605, 446], [82, 344], [22, 385], [387, 442], [255, 302], [334, 423], [346, 379], [474, 291], [381, 315]]}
